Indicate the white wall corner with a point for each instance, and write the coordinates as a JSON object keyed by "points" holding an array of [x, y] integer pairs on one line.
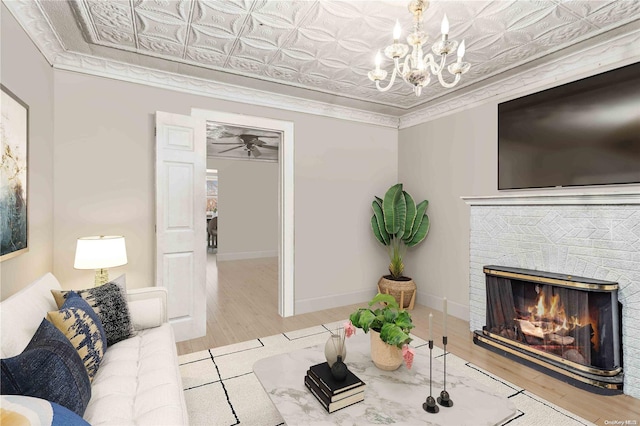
{"points": [[304, 306], [436, 303], [35, 23]]}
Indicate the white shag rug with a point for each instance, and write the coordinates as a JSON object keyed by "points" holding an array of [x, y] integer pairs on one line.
{"points": [[221, 389]]}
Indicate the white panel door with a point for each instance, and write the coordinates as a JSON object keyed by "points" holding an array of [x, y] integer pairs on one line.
{"points": [[181, 221]]}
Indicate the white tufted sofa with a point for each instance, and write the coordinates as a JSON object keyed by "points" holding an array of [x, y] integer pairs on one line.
{"points": [[138, 382]]}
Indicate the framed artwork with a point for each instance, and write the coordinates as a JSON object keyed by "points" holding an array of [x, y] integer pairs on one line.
{"points": [[242, 143], [14, 151]]}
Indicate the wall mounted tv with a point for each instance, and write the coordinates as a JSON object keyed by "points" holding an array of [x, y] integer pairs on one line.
{"points": [[582, 133]]}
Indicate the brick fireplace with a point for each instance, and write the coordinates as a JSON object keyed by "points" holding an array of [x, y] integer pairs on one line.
{"points": [[587, 235]]}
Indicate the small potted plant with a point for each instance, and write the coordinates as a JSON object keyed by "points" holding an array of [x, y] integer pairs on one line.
{"points": [[389, 326], [398, 223]]}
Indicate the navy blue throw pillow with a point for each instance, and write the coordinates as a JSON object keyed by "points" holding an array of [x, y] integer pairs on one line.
{"points": [[49, 368], [74, 300]]}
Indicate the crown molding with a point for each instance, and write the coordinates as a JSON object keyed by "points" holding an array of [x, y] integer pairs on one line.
{"points": [[35, 23], [621, 50], [92, 65], [616, 51]]}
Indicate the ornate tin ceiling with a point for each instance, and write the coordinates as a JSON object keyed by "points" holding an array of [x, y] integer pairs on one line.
{"points": [[328, 46]]}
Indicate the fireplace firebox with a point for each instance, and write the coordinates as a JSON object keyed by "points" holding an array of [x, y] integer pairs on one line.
{"points": [[570, 327]]}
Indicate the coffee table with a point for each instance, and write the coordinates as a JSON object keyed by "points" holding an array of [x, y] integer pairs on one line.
{"points": [[391, 397]]}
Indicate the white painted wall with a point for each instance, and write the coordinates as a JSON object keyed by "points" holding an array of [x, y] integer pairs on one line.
{"points": [[104, 184], [247, 208], [26, 73]]}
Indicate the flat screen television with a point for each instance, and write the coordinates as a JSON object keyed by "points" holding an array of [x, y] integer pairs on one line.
{"points": [[582, 133]]}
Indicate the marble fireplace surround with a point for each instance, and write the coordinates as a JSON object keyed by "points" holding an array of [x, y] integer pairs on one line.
{"points": [[594, 235]]}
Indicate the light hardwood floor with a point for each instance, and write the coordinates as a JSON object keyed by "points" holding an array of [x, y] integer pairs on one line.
{"points": [[242, 305]]}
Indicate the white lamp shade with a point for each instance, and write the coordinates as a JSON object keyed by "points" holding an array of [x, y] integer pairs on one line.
{"points": [[100, 252]]}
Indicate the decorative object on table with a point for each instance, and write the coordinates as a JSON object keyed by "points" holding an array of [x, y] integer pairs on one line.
{"points": [[339, 370], [444, 399], [398, 223], [14, 155], [430, 404], [331, 393], [335, 346], [100, 253], [390, 327], [418, 67]]}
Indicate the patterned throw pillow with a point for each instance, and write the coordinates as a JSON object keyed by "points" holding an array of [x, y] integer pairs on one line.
{"points": [[80, 324], [48, 368], [109, 301]]}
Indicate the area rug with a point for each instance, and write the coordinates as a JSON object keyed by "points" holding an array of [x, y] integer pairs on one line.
{"points": [[221, 389]]}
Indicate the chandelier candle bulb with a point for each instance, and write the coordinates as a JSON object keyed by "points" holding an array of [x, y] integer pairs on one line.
{"points": [[397, 30], [444, 28], [378, 60], [461, 50], [430, 329]]}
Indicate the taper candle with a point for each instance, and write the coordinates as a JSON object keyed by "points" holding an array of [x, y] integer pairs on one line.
{"points": [[445, 317], [430, 328]]}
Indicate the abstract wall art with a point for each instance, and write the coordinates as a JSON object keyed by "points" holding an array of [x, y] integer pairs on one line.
{"points": [[14, 140]]}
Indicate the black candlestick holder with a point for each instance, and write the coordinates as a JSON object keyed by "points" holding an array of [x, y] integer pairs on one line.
{"points": [[430, 405], [444, 399]]}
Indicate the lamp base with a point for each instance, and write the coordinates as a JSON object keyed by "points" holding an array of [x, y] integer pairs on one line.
{"points": [[102, 277]]}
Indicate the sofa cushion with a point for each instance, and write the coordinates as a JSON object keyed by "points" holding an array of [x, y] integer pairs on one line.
{"points": [[26, 410], [49, 368], [109, 301], [81, 325], [21, 314], [139, 382]]}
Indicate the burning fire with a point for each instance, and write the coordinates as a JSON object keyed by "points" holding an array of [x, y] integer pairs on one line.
{"points": [[552, 314], [546, 319]]}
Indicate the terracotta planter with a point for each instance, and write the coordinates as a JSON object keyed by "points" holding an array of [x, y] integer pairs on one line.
{"points": [[404, 290], [384, 356]]}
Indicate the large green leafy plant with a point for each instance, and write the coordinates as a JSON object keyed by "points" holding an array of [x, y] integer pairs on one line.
{"points": [[390, 321], [398, 223]]}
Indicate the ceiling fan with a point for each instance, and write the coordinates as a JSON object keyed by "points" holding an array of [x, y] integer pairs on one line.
{"points": [[250, 143]]}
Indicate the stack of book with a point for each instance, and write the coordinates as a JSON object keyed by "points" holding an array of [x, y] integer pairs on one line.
{"points": [[333, 395]]}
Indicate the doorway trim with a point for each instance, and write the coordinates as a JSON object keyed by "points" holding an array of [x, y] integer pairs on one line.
{"points": [[286, 228]]}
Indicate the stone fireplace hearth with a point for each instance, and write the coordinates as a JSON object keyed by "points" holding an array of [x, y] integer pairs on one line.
{"points": [[588, 235]]}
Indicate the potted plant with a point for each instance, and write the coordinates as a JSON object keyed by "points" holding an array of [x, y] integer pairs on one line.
{"points": [[389, 326], [398, 223]]}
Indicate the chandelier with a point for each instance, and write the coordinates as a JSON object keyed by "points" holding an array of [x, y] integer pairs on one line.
{"points": [[416, 69]]}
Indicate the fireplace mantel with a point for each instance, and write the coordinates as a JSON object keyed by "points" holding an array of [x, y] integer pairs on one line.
{"points": [[602, 198]]}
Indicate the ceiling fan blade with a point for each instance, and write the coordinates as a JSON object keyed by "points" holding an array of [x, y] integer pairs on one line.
{"points": [[255, 151], [230, 149], [227, 143], [269, 147]]}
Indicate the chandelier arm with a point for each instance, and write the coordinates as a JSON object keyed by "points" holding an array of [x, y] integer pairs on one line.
{"points": [[448, 85], [435, 69], [405, 67], [391, 81]]}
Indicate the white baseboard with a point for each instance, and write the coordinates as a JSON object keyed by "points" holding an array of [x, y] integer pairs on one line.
{"points": [[327, 302], [221, 257], [435, 302]]}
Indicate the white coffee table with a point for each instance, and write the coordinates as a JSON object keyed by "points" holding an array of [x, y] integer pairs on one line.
{"points": [[391, 397]]}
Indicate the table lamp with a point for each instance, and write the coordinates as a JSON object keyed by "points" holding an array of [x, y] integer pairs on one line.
{"points": [[99, 253]]}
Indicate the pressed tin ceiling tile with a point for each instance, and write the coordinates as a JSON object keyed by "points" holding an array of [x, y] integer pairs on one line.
{"points": [[329, 45]]}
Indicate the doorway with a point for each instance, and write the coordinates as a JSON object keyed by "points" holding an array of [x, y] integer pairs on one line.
{"points": [[253, 144]]}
